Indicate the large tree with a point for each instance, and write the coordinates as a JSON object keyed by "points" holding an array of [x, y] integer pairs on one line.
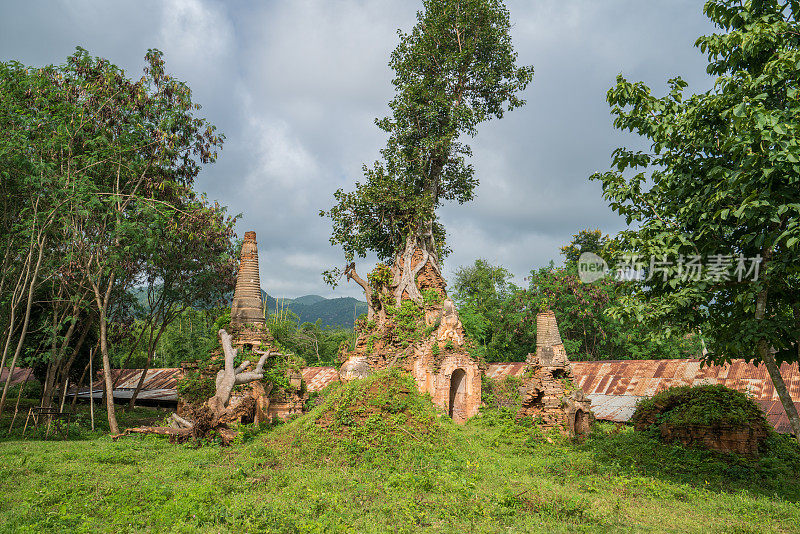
{"points": [[101, 169], [720, 188], [454, 70]]}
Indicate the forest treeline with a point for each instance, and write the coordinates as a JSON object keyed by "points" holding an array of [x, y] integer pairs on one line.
{"points": [[97, 203], [500, 316]]}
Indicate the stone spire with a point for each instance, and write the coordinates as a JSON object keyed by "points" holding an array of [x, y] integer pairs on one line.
{"points": [[247, 305], [547, 334], [549, 393]]}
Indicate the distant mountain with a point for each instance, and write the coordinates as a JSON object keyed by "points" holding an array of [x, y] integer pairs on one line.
{"points": [[308, 299], [337, 312]]}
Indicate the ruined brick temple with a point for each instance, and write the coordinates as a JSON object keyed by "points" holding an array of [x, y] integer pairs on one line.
{"points": [[248, 330], [439, 360], [549, 393]]}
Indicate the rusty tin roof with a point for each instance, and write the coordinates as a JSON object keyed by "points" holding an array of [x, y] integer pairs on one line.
{"points": [[614, 387], [20, 375]]}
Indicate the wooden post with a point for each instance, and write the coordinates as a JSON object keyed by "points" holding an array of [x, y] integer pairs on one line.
{"points": [[64, 395], [91, 387]]}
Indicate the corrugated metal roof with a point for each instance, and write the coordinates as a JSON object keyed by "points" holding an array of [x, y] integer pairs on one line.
{"points": [[648, 377], [499, 370], [614, 387], [618, 408], [160, 385], [20, 375], [316, 378]]}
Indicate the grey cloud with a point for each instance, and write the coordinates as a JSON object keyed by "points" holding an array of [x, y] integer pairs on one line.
{"points": [[296, 85]]}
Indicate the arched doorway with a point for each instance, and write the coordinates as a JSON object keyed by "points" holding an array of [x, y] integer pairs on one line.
{"points": [[458, 390]]}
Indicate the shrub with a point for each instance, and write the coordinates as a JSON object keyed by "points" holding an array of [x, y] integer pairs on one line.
{"points": [[407, 318], [711, 405], [196, 388], [503, 393]]}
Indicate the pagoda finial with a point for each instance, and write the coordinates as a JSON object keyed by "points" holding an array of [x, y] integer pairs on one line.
{"points": [[248, 307]]}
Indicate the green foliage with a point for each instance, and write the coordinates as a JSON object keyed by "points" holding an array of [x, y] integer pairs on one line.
{"points": [[500, 318], [408, 319], [589, 332], [315, 344], [195, 388], [431, 297], [380, 277], [453, 71], [720, 178], [191, 337], [482, 292], [503, 393], [586, 241], [711, 405]]}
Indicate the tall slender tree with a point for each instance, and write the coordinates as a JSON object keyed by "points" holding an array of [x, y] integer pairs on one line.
{"points": [[453, 71]]}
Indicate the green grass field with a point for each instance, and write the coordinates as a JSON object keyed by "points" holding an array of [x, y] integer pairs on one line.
{"points": [[371, 460]]}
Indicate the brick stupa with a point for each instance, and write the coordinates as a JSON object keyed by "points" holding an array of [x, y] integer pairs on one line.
{"points": [[549, 394], [248, 308]]}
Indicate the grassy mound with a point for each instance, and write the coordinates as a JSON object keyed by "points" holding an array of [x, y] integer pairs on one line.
{"points": [[365, 420], [712, 405]]}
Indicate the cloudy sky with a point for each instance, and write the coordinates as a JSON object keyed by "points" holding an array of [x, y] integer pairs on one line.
{"points": [[295, 87]]}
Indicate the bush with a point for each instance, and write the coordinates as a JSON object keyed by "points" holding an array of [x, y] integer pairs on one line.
{"points": [[195, 388], [503, 393], [711, 405]]}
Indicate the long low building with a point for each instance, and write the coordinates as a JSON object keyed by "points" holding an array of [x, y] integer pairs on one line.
{"points": [[160, 386], [613, 387]]}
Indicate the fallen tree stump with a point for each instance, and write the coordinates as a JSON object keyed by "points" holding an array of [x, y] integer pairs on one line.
{"points": [[215, 414]]}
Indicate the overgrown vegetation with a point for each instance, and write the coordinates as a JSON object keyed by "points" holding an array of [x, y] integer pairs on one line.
{"points": [[367, 420], [196, 388], [710, 405], [503, 393], [341, 468]]}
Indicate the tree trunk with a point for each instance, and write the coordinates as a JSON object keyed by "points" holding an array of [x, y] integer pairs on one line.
{"points": [[780, 387], [25, 322], [350, 272], [774, 371], [102, 306], [232, 376], [405, 273], [9, 336]]}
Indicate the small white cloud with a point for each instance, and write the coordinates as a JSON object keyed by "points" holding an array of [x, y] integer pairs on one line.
{"points": [[195, 32], [282, 160]]}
